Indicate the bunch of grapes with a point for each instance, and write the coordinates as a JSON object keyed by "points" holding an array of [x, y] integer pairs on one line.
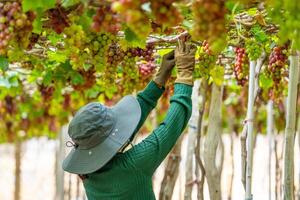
{"points": [[130, 75], [146, 54], [99, 45], [165, 13], [277, 68], [206, 61], [89, 77], [134, 16], [209, 17], [46, 92], [253, 49], [106, 20], [58, 19], [10, 105], [14, 25], [66, 101], [241, 66], [75, 43], [146, 69]]}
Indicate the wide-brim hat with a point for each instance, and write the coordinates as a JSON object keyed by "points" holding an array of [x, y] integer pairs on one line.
{"points": [[98, 132]]}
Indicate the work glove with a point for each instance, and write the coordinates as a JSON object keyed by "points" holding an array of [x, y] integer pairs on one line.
{"points": [[185, 62], [165, 69]]}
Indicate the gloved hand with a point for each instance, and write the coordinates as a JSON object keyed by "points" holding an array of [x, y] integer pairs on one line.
{"points": [[165, 69], [185, 62]]}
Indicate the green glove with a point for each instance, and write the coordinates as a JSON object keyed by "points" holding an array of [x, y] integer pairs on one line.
{"points": [[185, 62], [164, 72]]}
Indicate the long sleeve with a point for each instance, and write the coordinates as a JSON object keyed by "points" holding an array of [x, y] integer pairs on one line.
{"points": [[147, 99], [147, 155]]}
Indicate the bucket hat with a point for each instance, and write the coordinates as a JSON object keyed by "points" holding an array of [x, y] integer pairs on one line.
{"points": [[98, 132]]}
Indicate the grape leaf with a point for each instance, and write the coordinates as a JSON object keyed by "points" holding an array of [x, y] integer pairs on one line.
{"points": [[217, 75], [3, 63], [259, 34], [265, 82], [37, 23], [68, 3], [56, 56], [133, 39], [77, 79], [35, 5]]}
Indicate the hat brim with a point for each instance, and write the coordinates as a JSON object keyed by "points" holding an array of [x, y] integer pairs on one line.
{"points": [[84, 161]]}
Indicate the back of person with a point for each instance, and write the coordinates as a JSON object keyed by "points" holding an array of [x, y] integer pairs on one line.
{"points": [[124, 182]]}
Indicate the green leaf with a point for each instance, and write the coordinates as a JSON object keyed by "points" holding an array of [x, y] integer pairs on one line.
{"points": [[85, 20], [77, 79], [92, 92], [217, 75], [252, 11], [47, 78], [187, 24], [265, 82], [68, 3], [57, 56], [133, 39], [37, 23], [3, 63], [36, 4], [259, 34]]}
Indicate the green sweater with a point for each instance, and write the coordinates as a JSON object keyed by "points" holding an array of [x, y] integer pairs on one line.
{"points": [[128, 176]]}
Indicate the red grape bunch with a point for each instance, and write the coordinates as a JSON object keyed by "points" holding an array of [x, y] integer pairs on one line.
{"points": [[146, 54], [276, 70], [241, 66], [146, 69], [209, 17], [89, 77], [206, 61], [106, 20], [165, 13], [14, 25], [58, 19]]}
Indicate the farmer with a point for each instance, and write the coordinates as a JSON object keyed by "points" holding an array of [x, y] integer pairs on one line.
{"points": [[99, 134]]}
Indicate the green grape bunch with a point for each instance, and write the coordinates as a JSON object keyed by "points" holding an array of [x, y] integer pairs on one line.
{"points": [[205, 61], [253, 49]]}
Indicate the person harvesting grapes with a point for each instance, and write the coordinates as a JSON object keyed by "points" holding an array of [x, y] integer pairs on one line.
{"points": [[99, 134]]}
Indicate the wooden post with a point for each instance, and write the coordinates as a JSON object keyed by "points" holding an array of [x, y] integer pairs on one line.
{"points": [[192, 134], [290, 129], [213, 140], [250, 134], [60, 155], [270, 125], [18, 157]]}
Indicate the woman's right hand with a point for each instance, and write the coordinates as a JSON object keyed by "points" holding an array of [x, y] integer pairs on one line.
{"points": [[185, 62]]}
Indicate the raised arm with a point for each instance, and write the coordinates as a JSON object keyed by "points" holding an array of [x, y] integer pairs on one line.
{"points": [[147, 155], [149, 96]]}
